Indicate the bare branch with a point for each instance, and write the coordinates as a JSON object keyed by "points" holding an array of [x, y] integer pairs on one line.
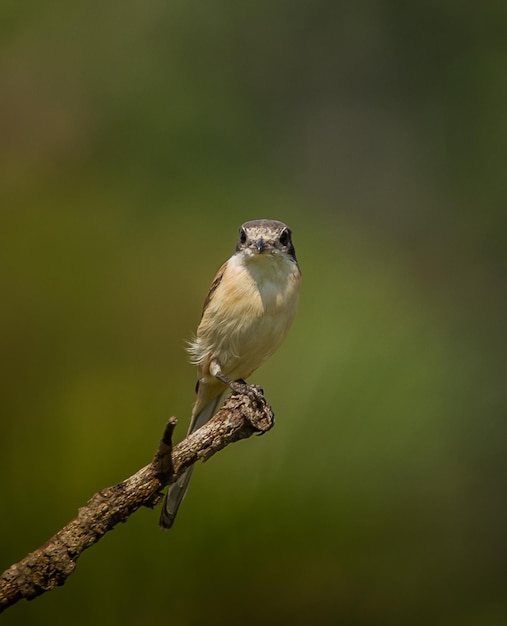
{"points": [[50, 565]]}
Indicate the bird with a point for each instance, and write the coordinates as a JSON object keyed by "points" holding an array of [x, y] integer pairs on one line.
{"points": [[247, 313]]}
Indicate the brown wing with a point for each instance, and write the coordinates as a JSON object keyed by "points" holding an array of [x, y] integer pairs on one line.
{"points": [[216, 281]]}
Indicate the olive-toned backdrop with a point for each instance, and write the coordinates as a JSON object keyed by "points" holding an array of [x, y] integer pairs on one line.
{"points": [[135, 137]]}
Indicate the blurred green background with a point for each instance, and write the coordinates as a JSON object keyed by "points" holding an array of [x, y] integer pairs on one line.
{"points": [[135, 137]]}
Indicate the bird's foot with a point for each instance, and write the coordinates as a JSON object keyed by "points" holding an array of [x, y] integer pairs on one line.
{"points": [[254, 392], [249, 399]]}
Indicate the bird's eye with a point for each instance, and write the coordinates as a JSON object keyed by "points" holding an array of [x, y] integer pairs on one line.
{"points": [[284, 237], [242, 235]]}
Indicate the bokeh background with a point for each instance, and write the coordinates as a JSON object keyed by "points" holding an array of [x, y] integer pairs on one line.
{"points": [[135, 137]]}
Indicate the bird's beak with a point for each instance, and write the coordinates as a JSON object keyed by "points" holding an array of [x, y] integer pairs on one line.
{"points": [[260, 245]]}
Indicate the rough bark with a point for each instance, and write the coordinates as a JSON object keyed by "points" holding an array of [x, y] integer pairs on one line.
{"points": [[50, 565]]}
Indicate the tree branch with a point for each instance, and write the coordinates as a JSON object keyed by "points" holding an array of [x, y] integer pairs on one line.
{"points": [[50, 565]]}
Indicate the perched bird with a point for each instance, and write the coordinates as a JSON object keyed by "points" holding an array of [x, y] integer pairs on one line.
{"points": [[249, 309]]}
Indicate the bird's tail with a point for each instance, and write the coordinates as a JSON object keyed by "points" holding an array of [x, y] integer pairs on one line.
{"points": [[176, 492]]}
